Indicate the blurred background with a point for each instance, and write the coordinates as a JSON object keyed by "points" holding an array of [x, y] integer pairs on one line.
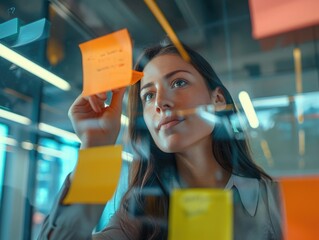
{"points": [[279, 70]]}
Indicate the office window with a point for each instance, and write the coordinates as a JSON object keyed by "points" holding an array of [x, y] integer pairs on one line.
{"points": [[55, 161]]}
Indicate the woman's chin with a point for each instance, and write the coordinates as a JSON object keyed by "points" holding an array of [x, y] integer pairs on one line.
{"points": [[171, 148]]}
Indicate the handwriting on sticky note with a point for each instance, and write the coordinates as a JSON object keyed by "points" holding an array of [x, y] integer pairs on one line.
{"points": [[107, 63], [110, 61], [200, 214], [96, 175], [191, 206]]}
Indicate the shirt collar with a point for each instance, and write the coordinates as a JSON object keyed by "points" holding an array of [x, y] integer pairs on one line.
{"points": [[248, 189]]}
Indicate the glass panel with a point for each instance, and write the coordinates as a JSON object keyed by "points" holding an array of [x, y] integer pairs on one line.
{"points": [[38, 148], [55, 162]]}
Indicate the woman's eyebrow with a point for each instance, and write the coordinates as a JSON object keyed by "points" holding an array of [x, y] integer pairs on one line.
{"points": [[147, 85], [166, 76]]}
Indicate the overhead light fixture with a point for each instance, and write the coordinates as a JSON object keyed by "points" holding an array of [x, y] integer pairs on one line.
{"points": [[14, 117], [33, 68], [248, 109], [8, 141], [48, 128], [49, 151], [298, 69], [27, 145], [298, 72], [58, 132], [278, 101]]}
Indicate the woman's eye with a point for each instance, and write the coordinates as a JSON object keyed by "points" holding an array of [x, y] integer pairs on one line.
{"points": [[148, 96], [179, 83]]}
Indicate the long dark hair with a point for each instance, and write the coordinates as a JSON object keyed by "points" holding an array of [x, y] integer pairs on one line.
{"points": [[232, 153]]}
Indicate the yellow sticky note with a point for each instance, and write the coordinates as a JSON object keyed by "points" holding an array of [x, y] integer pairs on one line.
{"points": [[107, 63], [96, 175], [201, 214]]}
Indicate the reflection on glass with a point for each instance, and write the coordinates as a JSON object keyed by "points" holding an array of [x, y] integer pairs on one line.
{"points": [[3, 134], [55, 162]]}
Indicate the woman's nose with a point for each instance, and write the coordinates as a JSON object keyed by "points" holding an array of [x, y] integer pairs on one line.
{"points": [[163, 102]]}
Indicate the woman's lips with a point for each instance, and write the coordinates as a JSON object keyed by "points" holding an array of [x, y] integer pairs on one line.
{"points": [[169, 124]]}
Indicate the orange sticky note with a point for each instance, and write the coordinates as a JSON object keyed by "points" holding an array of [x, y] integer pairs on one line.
{"points": [[107, 63], [301, 197], [201, 214], [96, 175], [136, 76]]}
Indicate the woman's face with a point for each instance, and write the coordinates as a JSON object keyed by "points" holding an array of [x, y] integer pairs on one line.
{"points": [[170, 83]]}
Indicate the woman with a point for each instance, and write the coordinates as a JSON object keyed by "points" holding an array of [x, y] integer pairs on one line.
{"points": [[185, 151]]}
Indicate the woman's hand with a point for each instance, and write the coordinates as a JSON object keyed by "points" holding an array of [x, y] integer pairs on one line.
{"points": [[95, 124]]}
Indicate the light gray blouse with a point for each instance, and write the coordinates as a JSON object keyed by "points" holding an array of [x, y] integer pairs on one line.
{"points": [[257, 214]]}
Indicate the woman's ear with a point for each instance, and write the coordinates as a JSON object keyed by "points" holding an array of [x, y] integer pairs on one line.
{"points": [[218, 99]]}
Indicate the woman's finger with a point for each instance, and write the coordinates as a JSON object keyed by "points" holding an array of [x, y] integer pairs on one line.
{"points": [[102, 96], [79, 101], [117, 98], [96, 103]]}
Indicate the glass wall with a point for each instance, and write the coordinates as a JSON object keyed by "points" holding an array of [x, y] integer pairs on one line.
{"points": [[38, 147], [55, 161]]}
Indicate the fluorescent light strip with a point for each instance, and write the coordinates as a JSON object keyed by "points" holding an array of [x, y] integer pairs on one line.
{"points": [[50, 151], [248, 109], [58, 132], [8, 141], [126, 156], [14, 117], [279, 101], [69, 135], [27, 145], [298, 69], [33, 68], [48, 128]]}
